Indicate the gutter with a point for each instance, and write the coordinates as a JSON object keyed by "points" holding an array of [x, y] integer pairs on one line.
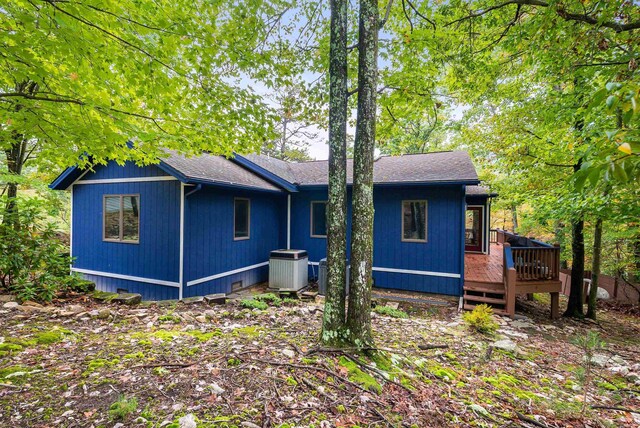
{"points": [[197, 188]]}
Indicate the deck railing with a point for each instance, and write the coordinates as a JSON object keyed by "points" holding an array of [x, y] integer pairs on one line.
{"points": [[532, 260], [493, 236], [537, 263]]}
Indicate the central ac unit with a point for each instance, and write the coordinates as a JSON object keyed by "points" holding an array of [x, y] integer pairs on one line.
{"points": [[288, 270]]}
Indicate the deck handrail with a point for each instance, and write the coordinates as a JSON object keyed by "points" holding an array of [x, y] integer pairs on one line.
{"points": [[536, 263]]}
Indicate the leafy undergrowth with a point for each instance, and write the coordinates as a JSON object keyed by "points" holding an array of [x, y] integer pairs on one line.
{"points": [[179, 365]]}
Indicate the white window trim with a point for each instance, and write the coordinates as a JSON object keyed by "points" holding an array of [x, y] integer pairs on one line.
{"points": [[426, 221], [104, 207], [242, 238], [311, 218]]}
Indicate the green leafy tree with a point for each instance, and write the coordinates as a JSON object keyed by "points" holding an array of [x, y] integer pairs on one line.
{"points": [[84, 78]]}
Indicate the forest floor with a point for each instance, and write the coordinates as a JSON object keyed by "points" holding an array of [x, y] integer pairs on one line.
{"points": [[81, 363]]}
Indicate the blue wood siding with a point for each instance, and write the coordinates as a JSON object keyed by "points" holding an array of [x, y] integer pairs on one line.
{"points": [[156, 256], [301, 224], [223, 285], [128, 170], [441, 253], [148, 291], [209, 245]]}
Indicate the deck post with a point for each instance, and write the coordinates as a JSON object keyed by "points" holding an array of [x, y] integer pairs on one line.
{"points": [[511, 292], [509, 278], [555, 305]]}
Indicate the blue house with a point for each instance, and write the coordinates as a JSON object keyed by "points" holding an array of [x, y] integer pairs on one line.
{"points": [[201, 225]]}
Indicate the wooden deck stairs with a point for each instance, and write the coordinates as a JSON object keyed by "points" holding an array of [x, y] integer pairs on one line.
{"points": [[490, 293]]}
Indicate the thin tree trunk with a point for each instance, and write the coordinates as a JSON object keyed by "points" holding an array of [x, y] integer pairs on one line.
{"points": [[576, 296], [359, 311], [334, 308], [595, 269], [575, 305], [514, 217], [16, 155]]}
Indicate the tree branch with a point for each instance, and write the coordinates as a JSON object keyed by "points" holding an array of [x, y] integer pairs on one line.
{"points": [[433, 24], [391, 114], [504, 32], [406, 15], [386, 15], [114, 36], [562, 13], [558, 165], [602, 64], [59, 99]]}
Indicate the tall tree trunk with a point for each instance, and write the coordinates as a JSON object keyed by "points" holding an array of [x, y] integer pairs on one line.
{"points": [[576, 298], [334, 307], [16, 154], [595, 269], [16, 157], [514, 217], [575, 306], [359, 311]]}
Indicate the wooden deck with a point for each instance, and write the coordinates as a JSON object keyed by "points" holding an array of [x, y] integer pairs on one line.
{"points": [[484, 267], [532, 267]]}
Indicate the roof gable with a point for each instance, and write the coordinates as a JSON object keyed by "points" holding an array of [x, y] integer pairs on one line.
{"points": [[203, 169]]}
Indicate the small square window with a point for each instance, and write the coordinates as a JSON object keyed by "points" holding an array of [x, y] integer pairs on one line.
{"points": [[241, 218], [318, 219], [121, 218], [414, 221]]}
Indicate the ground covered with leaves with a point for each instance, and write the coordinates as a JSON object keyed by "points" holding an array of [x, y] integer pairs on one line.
{"points": [[85, 363]]}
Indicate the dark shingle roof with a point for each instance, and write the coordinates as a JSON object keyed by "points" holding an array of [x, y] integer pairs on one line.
{"points": [[276, 166], [479, 191], [419, 168], [213, 169]]}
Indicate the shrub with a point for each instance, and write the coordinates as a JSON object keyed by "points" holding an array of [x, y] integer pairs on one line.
{"points": [[123, 407], [253, 304], [34, 262], [389, 311], [481, 319], [269, 298]]}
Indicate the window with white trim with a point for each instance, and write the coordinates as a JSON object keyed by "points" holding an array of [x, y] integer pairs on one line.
{"points": [[414, 221], [241, 218], [319, 219], [121, 218]]}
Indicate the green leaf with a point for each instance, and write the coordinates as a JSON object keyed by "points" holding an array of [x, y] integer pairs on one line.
{"points": [[580, 178], [594, 176], [598, 98], [619, 173]]}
